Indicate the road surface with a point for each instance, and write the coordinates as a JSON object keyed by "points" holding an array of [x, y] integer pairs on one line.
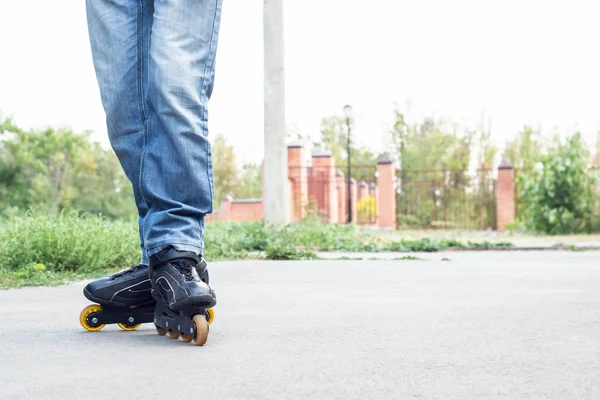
{"points": [[512, 325]]}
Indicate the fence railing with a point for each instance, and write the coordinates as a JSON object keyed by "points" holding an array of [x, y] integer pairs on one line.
{"points": [[446, 199]]}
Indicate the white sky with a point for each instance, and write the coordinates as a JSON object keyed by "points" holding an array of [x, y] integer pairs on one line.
{"points": [[519, 62]]}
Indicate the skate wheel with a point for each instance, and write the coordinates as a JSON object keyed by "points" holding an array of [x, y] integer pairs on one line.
{"points": [[161, 331], [93, 308], [174, 335], [129, 327], [210, 315], [201, 329], [186, 337]]}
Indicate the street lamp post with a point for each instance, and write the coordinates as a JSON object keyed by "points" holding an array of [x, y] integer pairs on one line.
{"points": [[348, 115]]}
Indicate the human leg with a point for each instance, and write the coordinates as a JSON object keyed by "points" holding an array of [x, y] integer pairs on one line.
{"points": [[119, 33], [176, 172]]}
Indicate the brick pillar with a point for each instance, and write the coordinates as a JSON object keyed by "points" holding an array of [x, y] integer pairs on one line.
{"points": [[225, 210], [362, 190], [324, 168], [297, 171], [505, 195], [353, 199], [342, 199], [386, 204]]}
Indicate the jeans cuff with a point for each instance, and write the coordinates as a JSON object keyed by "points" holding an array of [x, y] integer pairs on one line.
{"points": [[178, 246]]}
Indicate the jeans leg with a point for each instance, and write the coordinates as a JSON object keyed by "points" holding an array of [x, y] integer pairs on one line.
{"points": [[119, 33], [176, 172]]}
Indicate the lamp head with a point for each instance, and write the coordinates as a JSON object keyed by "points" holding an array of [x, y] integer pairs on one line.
{"points": [[348, 111]]}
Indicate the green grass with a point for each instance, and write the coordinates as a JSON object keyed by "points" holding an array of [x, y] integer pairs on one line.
{"points": [[34, 275], [407, 258], [67, 243], [37, 249]]}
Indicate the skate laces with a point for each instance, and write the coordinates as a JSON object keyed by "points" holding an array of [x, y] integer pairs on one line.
{"points": [[128, 271], [186, 269]]}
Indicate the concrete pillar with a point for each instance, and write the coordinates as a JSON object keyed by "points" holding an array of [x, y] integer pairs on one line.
{"points": [[324, 168], [276, 189], [386, 204], [297, 173], [505, 195], [342, 199]]}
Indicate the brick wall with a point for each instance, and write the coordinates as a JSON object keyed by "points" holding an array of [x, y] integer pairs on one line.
{"points": [[237, 210]]}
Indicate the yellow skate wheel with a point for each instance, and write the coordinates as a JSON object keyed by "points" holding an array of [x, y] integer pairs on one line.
{"points": [[174, 334], [201, 329], [129, 327], [85, 313], [161, 331], [186, 337], [210, 315]]}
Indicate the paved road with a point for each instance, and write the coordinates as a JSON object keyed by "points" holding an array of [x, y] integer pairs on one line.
{"points": [[483, 325]]}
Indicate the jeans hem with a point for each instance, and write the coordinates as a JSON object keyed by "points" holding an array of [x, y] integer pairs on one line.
{"points": [[180, 246]]}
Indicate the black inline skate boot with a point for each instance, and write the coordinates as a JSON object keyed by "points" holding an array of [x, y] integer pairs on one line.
{"points": [[182, 298], [125, 299]]}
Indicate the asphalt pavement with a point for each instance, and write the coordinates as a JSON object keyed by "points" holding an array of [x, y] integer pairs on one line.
{"points": [[481, 325]]}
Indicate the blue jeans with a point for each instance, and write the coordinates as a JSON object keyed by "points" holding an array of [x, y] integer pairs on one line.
{"points": [[155, 62]]}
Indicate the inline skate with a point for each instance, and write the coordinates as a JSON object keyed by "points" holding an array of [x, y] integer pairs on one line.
{"points": [[182, 298], [125, 299]]}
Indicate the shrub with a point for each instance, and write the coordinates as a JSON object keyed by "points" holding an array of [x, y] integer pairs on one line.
{"points": [[366, 210], [67, 242], [557, 198]]}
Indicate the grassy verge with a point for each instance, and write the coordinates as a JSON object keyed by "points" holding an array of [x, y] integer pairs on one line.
{"points": [[47, 250], [37, 275]]}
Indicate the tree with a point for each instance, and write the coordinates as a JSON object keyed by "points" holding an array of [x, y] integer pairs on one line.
{"points": [[596, 159], [334, 139], [40, 165], [525, 150], [435, 187], [54, 169], [428, 145], [250, 184], [100, 186], [558, 198], [225, 168]]}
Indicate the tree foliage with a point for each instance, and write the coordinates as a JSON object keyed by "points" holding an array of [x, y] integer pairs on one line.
{"points": [[54, 169], [437, 185], [334, 139], [558, 197], [525, 150], [240, 183]]}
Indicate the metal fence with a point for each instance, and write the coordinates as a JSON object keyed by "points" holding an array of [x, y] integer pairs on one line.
{"points": [[446, 199]]}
